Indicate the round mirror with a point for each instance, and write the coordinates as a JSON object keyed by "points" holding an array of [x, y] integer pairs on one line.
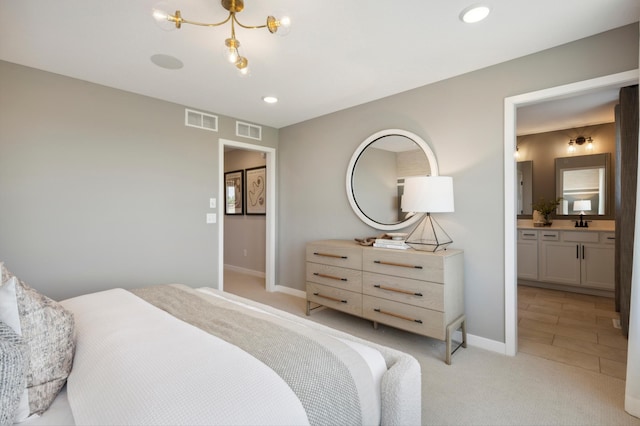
{"points": [[376, 173]]}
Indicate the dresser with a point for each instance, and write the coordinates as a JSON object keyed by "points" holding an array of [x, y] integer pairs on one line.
{"points": [[421, 292]]}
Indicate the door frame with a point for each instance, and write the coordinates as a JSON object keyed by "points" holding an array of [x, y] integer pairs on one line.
{"points": [[511, 105], [270, 219]]}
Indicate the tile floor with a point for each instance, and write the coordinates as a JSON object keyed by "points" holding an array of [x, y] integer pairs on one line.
{"points": [[571, 328]]}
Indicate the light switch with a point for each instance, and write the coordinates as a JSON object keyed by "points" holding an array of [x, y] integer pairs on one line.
{"points": [[212, 203], [211, 218]]}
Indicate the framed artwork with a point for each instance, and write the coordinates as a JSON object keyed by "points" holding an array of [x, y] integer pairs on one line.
{"points": [[234, 193], [256, 192]]}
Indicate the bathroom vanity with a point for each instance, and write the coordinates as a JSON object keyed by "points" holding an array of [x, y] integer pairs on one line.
{"points": [[565, 257]]}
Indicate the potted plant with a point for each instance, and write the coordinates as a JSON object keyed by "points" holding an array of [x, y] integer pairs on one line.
{"points": [[545, 208]]}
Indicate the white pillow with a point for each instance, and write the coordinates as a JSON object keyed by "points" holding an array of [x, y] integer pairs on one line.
{"points": [[9, 315], [47, 329]]}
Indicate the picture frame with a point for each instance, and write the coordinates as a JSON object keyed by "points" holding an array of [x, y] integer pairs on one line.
{"points": [[256, 191], [234, 193]]}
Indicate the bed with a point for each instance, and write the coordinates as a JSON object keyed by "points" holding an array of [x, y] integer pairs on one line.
{"points": [[170, 354]]}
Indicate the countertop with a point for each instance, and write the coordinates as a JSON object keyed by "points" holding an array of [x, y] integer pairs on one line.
{"points": [[569, 225]]}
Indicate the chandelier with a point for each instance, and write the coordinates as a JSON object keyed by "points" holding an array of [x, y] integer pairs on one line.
{"points": [[231, 48]]}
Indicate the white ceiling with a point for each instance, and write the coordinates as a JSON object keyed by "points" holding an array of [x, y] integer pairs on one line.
{"points": [[339, 53]]}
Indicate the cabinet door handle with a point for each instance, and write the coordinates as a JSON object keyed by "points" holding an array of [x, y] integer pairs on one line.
{"points": [[335, 299], [397, 315], [582, 252], [577, 251], [335, 256], [331, 277], [397, 290], [404, 265]]}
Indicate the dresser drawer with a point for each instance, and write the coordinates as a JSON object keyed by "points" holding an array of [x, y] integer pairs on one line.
{"points": [[405, 290], [404, 263], [411, 318], [335, 298], [334, 276], [337, 253]]}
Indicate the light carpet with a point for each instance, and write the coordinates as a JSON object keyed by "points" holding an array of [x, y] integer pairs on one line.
{"points": [[480, 387]]}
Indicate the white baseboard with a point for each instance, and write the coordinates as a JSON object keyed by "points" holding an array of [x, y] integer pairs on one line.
{"points": [[632, 405], [291, 291], [246, 271]]}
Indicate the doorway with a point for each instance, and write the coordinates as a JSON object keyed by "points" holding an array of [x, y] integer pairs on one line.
{"points": [[270, 245], [510, 213]]}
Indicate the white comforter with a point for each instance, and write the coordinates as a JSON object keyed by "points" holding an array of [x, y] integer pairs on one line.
{"points": [[169, 376]]}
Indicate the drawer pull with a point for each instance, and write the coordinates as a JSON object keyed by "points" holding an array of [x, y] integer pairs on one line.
{"points": [[397, 315], [335, 256], [611, 238], [549, 235], [404, 265], [335, 299], [528, 235], [397, 290], [331, 277]]}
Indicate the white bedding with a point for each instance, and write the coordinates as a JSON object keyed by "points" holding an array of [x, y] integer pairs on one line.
{"points": [[171, 376], [172, 379]]}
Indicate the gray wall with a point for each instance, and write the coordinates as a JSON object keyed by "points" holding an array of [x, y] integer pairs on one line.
{"points": [[543, 148], [101, 188], [462, 119], [244, 232]]}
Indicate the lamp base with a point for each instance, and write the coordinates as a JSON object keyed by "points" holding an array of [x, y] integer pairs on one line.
{"points": [[428, 236]]}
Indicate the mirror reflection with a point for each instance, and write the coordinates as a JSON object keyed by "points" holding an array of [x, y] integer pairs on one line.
{"points": [[375, 178], [582, 183], [524, 186], [378, 177]]}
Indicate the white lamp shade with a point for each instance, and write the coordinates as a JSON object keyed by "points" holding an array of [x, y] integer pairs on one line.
{"points": [[428, 194], [582, 205]]}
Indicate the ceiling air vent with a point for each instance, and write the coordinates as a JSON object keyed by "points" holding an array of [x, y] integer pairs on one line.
{"points": [[200, 120], [248, 130]]}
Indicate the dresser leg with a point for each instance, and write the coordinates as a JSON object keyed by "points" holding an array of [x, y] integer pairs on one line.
{"points": [[458, 323]]}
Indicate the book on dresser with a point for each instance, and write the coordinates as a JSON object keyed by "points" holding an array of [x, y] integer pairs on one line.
{"points": [[392, 244], [421, 292]]}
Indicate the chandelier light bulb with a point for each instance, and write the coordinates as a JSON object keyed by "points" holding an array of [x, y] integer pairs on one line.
{"points": [[243, 66], [280, 24], [164, 19], [572, 147], [230, 50]]}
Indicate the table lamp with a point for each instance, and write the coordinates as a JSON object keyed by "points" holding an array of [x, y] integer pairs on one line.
{"points": [[581, 205], [428, 194]]}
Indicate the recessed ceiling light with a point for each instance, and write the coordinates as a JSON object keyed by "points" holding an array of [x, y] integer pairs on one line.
{"points": [[474, 13], [270, 99]]}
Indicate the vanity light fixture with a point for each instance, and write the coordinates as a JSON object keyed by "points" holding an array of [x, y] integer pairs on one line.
{"points": [[231, 48], [580, 140], [428, 194], [474, 13]]}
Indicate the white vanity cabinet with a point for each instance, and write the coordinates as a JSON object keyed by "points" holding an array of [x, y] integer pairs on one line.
{"points": [[528, 254], [577, 258]]}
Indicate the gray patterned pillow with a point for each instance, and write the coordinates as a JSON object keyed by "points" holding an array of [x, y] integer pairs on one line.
{"points": [[14, 362], [48, 331]]}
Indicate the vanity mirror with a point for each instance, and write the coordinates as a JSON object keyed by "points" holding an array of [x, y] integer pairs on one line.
{"points": [[580, 179], [376, 172], [524, 186]]}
